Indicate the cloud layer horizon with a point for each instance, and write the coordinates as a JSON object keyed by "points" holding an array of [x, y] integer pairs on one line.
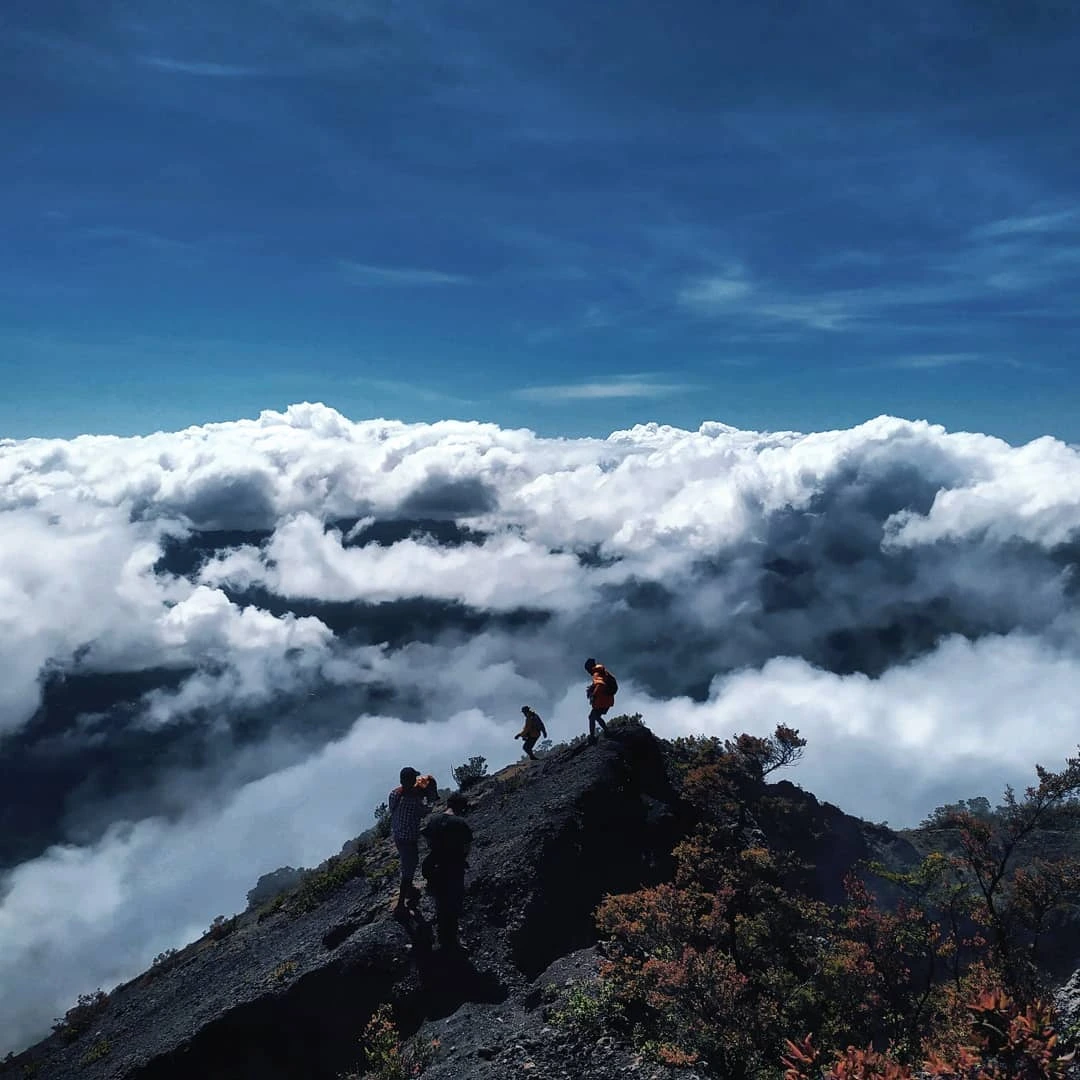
{"points": [[242, 630]]}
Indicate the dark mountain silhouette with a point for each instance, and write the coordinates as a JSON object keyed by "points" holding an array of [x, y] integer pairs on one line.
{"points": [[285, 988]]}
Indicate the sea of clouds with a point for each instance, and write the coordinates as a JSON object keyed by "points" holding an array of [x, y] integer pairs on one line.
{"points": [[219, 645]]}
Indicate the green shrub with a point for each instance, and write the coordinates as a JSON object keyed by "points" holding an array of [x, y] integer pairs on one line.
{"points": [[391, 868], [471, 772], [81, 1015], [587, 1010], [96, 1052], [943, 817], [272, 907], [221, 927], [625, 720], [164, 957], [320, 884], [386, 1057], [382, 820]]}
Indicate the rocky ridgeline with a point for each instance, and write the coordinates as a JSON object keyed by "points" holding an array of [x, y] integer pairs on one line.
{"points": [[285, 989]]}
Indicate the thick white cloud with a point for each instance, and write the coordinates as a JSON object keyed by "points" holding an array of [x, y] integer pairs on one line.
{"points": [[76, 579], [1031, 492], [904, 595], [967, 719], [80, 917], [304, 559], [78, 591]]}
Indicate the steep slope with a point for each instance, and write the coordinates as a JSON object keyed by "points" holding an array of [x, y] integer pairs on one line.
{"points": [[285, 991]]}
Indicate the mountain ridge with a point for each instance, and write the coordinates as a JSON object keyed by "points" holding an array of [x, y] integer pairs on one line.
{"points": [[285, 989]]}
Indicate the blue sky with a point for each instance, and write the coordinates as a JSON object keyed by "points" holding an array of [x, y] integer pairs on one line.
{"points": [[567, 216]]}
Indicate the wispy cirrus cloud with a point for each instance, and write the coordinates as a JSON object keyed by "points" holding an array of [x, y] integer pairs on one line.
{"points": [[734, 293], [367, 274], [934, 361], [942, 360], [198, 67], [712, 293], [1003, 263], [618, 386], [1029, 224], [402, 388]]}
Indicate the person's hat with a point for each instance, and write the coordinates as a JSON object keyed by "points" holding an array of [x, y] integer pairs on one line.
{"points": [[408, 776], [525, 708]]}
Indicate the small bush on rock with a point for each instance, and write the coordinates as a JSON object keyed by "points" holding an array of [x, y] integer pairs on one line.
{"points": [[471, 772], [588, 1009], [99, 1050], [282, 971], [221, 927], [386, 1057], [319, 884], [81, 1015]]}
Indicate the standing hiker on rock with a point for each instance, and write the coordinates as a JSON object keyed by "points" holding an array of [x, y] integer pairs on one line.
{"points": [[601, 694], [449, 839], [408, 803], [533, 729]]}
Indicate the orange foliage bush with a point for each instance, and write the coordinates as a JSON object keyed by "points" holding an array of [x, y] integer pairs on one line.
{"points": [[1005, 1042], [717, 968]]}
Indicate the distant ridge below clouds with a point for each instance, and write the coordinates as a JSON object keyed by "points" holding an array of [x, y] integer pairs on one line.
{"points": [[242, 629]]}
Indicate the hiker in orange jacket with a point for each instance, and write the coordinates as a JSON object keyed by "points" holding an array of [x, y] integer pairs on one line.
{"points": [[531, 732], [601, 694]]}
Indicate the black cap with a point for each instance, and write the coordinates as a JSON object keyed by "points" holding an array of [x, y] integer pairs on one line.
{"points": [[408, 776]]}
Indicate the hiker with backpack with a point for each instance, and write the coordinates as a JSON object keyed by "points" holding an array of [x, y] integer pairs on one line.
{"points": [[449, 839], [601, 694], [531, 732], [408, 803]]}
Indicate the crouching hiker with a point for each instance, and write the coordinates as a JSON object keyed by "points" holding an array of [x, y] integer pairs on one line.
{"points": [[531, 732], [408, 803], [601, 694], [449, 839]]}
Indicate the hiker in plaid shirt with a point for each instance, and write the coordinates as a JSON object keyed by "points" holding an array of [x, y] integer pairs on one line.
{"points": [[408, 803]]}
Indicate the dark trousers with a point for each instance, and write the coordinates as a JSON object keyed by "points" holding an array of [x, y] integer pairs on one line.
{"points": [[409, 854], [447, 889], [528, 743], [596, 717]]}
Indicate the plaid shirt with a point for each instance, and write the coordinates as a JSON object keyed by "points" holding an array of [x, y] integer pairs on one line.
{"points": [[405, 813]]}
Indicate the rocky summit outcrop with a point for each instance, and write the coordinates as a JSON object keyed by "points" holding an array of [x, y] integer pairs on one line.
{"points": [[285, 989]]}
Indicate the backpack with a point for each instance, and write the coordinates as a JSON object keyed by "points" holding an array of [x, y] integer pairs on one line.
{"points": [[611, 684]]}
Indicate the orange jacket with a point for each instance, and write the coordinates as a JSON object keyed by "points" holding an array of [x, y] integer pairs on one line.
{"points": [[425, 787], [599, 695]]}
